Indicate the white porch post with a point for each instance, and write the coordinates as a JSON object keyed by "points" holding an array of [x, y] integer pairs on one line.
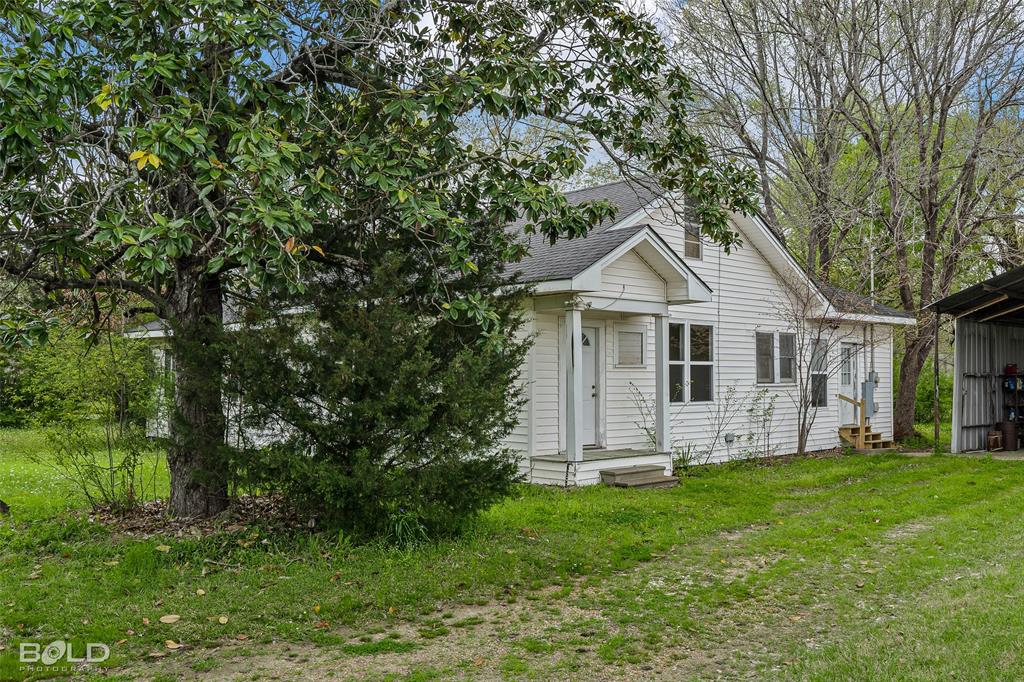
{"points": [[573, 384], [661, 387]]}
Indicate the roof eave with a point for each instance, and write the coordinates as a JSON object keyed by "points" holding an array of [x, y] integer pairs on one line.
{"points": [[862, 318]]}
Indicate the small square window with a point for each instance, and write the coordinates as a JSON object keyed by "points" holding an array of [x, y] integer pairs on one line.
{"points": [[629, 348]]}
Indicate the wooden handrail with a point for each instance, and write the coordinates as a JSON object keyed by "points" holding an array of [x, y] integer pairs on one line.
{"points": [[862, 413]]}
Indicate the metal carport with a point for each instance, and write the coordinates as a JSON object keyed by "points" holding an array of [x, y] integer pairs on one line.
{"points": [[988, 335]]}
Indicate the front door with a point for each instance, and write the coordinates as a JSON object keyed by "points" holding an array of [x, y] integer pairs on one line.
{"points": [[589, 344], [849, 382]]}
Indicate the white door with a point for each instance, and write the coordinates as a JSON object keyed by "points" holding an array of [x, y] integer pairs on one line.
{"points": [[589, 344], [849, 382]]}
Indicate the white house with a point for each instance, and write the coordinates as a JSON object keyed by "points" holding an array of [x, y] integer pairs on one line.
{"points": [[641, 328], [649, 342]]}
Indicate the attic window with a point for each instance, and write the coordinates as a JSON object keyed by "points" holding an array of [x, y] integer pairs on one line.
{"points": [[692, 247]]}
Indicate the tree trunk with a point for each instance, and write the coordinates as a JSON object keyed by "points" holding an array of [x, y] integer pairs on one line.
{"points": [[196, 457], [916, 348]]}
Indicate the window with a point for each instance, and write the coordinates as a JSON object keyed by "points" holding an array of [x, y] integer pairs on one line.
{"points": [[819, 374], [691, 363], [765, 358], [846, 365], [776, 357], [691, 242], [629, 347], [787, 358], [701, 365], [677, 363]]}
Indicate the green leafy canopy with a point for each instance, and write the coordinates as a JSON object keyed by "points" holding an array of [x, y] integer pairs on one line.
{"points": [[144, 139]]}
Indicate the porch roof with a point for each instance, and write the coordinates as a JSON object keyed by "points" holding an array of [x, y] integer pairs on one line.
{"points": [[575, 266], [569, 257]]}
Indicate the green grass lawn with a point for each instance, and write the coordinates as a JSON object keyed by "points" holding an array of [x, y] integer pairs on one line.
{"points": [[925, 439], [852, 567]]}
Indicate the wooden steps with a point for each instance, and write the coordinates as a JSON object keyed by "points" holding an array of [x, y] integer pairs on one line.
{"points": [[638, 476], [871, 442]]}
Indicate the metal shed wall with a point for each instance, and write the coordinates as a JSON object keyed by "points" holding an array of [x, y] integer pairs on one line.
{"points": [[982, 351]]}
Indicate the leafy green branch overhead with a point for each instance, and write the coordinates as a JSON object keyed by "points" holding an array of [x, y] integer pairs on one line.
{"points": [[139, 137]]}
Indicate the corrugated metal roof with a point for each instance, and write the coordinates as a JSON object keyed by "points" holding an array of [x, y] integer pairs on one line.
{"points": [[1000, 297]]}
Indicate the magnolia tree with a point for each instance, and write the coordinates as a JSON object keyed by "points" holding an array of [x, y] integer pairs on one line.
{"points": [[169, 155]]}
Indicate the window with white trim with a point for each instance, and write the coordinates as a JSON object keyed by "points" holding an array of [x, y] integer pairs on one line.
{"points": [[775, 357], [677, 363], [630, 343], [846, 364], [787, 358], [765, 352], [691, 367], [702, 373], [819, 374], [692, 247]]}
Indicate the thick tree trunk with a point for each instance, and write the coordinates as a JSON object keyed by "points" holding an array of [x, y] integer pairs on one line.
{"points": [[196, 457], [916, 348]]}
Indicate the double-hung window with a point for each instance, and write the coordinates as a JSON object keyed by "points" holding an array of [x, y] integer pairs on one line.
{"points": [[775, 357], [765, 358], [819, 374], [787, 358], [691, 367]]}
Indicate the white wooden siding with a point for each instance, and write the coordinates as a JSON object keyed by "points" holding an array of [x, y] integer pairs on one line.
{"points": [[519, 439], [747, 298], [630, 277], [621, 411], [546, 405]]}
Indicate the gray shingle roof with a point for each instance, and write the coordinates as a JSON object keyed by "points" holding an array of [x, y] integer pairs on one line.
{"points": [[626, 196], [851, 302], [153, 326], [568, 257]]}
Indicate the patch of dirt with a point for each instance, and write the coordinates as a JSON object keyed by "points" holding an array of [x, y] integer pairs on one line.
{"points": [[907, 530], [475, 639]]}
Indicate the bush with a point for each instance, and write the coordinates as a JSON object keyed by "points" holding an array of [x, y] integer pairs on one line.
{"points": [[386, 415], [91, 395], [78, 376]]}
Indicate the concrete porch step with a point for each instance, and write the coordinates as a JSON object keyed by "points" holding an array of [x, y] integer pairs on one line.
{"points": [[638, 476]]}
